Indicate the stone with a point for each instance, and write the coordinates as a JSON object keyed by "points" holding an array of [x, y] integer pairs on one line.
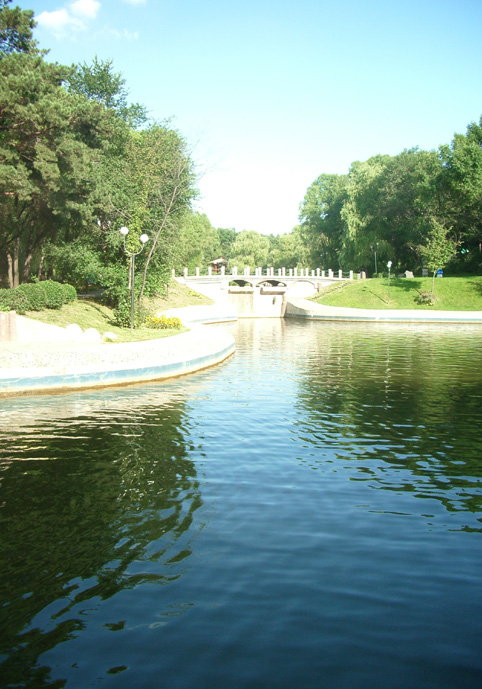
{"points": [[109, 337], [73, 332], [91, 335]]}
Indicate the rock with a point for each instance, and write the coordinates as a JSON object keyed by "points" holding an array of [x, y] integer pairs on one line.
{"points": [[73, 332], [92, 335], [109, 337]]}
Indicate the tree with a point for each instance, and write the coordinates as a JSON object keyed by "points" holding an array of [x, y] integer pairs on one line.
{"points": [[158, 186], [250, 249], [437, 250], [198, 242], [50, 145], [320, 218], [227, 237], [16, 27], [100, 83], [462, 180]]}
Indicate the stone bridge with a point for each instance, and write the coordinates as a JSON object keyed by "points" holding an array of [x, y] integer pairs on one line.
{"points": [[262, 293]]}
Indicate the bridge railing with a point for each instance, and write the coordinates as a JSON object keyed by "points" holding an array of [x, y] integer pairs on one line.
{"points": [[272, 273]]}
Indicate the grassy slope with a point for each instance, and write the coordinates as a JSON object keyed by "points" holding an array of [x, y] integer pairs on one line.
{"points": [[93, 314], [451, 294]]}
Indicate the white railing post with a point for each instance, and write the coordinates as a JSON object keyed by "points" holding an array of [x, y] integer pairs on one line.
{"points": [[185, 272], [330, 273], [340, 274], [197, 272], [351, 275], [235, 271], [210, 271], [223, 270]]}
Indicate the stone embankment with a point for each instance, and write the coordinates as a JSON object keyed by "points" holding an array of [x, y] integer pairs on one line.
{"points": [[44, 358], [303, 308]]}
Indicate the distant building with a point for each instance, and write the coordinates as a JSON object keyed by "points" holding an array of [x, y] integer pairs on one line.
{"points": [[218, 264]]}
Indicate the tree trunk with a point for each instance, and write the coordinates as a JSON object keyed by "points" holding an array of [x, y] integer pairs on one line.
{"points": [[12, 261]]}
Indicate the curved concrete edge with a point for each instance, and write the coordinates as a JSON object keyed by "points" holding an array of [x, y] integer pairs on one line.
{"points": [[302, 308], [104, 365], [211, 313]]}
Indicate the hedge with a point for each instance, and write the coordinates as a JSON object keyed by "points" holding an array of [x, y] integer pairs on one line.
{"points": [[35, 296]]}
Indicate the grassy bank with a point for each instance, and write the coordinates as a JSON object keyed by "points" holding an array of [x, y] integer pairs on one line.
{"points": [[451, 294], [91, 313]]}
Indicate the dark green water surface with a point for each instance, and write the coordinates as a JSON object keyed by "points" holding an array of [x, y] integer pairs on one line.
{"points": [[306, 515]]}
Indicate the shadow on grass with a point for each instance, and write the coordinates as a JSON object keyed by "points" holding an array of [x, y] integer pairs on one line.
{"points": [[384, 301], [407, 284], [477, 285]]}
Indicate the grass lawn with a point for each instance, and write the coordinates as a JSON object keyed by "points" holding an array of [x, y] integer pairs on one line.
{"points": [[91, 313], [451, 294]]}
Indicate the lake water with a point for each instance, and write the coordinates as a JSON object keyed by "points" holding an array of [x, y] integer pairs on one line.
{"points": [[306, 514]]}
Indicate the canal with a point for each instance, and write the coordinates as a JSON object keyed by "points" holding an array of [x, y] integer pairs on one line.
{"points": [[306, 514]]}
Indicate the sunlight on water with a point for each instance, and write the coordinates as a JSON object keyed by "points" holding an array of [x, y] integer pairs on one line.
{"points": [[308, 513]]}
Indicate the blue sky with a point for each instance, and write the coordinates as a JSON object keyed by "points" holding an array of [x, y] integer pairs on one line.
{"points": [[272, 94]]}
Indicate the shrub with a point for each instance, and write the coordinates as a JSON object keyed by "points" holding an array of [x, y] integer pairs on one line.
{"points": [[35, 295], [54, 292], [13, 300], [70, 293], [122, 314], [425, 298], [162, 322]]}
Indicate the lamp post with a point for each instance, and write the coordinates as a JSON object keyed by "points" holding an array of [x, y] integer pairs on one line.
{"points": [[389, 265], [376, 249], [143, 239]]}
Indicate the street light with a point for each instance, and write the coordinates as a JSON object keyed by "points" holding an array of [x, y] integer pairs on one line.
{"points": [[143, 239], [376, 249], [389, 265]]}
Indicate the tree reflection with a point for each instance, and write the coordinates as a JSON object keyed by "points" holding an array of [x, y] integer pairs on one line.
{"points": [[97, 505], [410, 400]]}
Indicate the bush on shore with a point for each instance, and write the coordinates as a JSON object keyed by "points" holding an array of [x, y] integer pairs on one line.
{"points": [[35, 296]]}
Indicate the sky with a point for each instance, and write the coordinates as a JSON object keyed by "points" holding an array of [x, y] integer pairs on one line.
{"points": [[271, 94]]}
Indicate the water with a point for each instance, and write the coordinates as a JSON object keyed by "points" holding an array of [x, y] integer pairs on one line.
{"points": [[307, 514]]}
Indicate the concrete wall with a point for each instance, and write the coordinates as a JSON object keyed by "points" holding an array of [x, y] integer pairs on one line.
{"points": [[8, 326]]}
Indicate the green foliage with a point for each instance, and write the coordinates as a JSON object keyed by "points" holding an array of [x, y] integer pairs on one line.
{"points": [[15, 29], [14, 300], [438, 249], [250, 249], [100, 83], [35, 294], [425, 298], [76, 262], [54, 292], [162, 322], [70, 293], [122, 314]]}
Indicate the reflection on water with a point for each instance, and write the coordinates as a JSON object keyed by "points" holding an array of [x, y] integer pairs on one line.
{"points": [[306, 514]]}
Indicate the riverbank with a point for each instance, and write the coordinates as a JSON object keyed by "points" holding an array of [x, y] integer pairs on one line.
{"points": [[302, 308], [43, 364]]}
